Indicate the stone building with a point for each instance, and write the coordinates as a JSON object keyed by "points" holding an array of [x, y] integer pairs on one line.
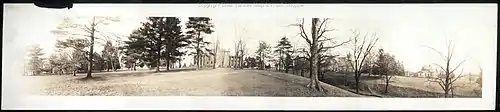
{"points": [[222, 59], [234, 61]]}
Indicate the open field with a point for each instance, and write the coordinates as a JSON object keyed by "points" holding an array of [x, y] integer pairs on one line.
{"points": [[227, 82], [401, 86], [215, 82]]}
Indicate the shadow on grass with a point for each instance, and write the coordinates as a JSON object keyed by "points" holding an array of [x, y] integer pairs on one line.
{"points": [[351, 77], [104, 76], [325, 91], [179, 70], [350, 85], [337, 80], [94, 78], [378, 90], [283, 80]]}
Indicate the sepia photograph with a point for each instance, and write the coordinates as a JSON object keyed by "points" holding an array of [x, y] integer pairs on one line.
{"points": [[251, 50]]}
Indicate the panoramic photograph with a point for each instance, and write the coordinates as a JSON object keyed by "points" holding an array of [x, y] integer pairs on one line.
{"points": [[425, 54]]}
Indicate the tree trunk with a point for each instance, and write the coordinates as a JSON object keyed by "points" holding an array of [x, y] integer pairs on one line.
{"points": [[167, 59], [91, 53], [261, 61], [446, 93], [215, 55], [345, 80], [198, 52], [168, 65], [112, 64], [452, 91], [314, 57], [356, 76], [302, 73], [158, 61], [118, 55], [180, 64], [134, 66], [386, 84], [74, 72], [201, 61], [371, 69], [320, 73], [278, 67], [107, 66], [241, 61]]}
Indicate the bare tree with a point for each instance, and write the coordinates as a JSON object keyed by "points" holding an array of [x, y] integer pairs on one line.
{"points": [[316, 43], [69, 28], [388, 67], [240, 52], [361, 49], [447, 76]]}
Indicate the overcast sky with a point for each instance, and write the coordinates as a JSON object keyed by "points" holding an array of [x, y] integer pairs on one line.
{"points": [[402, 29]]}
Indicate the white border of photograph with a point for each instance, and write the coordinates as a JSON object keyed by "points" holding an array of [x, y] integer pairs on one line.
{"points": [[13, 96]]}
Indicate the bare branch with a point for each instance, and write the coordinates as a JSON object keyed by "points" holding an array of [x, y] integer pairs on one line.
{"points": [[369, 48], [361, 49], [321, 25], [440, 53], [302, 32], [457, 77], [86, 28], [457, 66], [441, 67], [338, 45], [323, 28], [437, 80]]}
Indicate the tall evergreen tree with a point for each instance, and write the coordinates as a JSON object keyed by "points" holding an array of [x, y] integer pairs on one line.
{"points": [[155, 39], [174, 40], [263, 52], [283, 49], [110, 56], [78, 52], [134, 49], [197, 26], [158, 38], [36, 61]]}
